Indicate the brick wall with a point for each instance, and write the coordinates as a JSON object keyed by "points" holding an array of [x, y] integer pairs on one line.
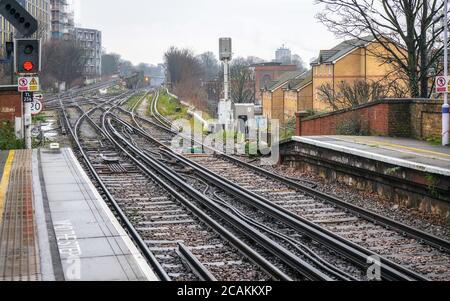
{"points": [[426, 118], [272, 72], [10, 104], [416, 118]]}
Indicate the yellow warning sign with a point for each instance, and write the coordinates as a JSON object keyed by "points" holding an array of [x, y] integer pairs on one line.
{"points": [[28, 84]]}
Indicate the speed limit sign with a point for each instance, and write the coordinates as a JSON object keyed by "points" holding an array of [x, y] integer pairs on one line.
{"points": [[36, 107]]}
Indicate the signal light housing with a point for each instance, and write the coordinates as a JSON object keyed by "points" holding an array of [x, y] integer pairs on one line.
{"points": [[19, 17], [27, 54]]}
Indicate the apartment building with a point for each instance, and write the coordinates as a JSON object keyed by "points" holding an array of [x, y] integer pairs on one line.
{"points": [[62, 20], [91, 41], [40, 9], [273, 96], [348, 62]]}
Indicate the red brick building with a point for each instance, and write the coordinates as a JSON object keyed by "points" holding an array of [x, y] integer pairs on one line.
{"points": [[267, 73], [10, 104]]}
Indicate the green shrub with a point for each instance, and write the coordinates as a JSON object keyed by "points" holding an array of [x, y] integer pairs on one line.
{"points": [[8, 138], [435, 140]]}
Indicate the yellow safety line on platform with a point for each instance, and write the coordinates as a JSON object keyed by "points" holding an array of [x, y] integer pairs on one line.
{"points": [[5, 182], [418, 150]]}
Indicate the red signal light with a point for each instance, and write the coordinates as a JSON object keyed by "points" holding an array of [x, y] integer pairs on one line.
{"points": [[28, 66]]}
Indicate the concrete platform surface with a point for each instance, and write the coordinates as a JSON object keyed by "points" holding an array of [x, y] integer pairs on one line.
{"points": [[409, 153], [69, 227]]}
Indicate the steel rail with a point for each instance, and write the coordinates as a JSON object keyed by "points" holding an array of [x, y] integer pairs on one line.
{"points": [[356, 253], [239, 244], [68, 94], [437, 242], [250, 232], [424, 237], [348, 249], [154, 111], [330, 269], [194, 264], [128, 225]]}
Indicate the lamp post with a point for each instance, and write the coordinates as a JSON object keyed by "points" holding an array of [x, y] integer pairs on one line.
{"points": [[445, 107]]}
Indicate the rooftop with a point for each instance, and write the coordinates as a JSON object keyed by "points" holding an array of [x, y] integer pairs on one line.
{"points": [[300, 82], [284, 79], [331, 55]]}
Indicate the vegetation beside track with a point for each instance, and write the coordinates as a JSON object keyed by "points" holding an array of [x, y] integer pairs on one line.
{"points": [[133, 101], [172, 108], [8, 138]]}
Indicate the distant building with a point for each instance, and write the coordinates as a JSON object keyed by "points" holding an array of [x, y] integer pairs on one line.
{"points": [[283, 55], [62, 20], [91, 41], [348, 62], [40, 10], [273, 95], [267, 73]]}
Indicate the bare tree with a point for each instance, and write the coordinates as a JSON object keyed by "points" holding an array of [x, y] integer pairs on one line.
{"points": [[181, 64], [62, 61], [359, 92], [298, 61], [184, 72], [255, 60], [110, 64], [210, 66], [407, 30], [242, 81], [126, 68]]}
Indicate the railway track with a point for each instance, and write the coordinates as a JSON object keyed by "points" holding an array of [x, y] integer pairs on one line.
{"points": [[399, 246], [287, 258], [162, 221], [214, 217]]}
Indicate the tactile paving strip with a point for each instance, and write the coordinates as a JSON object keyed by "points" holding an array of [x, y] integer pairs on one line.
{"points": [[19, 258]]}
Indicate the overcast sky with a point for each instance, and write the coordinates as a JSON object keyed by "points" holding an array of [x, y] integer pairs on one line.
{"points": [[142, 30]]}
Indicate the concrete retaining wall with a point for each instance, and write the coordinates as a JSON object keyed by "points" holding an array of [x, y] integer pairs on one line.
{"points": [[412, 188]]}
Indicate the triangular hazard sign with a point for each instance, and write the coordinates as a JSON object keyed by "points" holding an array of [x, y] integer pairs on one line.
{"points": [[33, 82]]}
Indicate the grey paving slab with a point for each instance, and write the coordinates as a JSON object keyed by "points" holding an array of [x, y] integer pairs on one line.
{"points": [[64, 206], [110, 230], [47, 257], [3, 158], [76, 216], [409, 153], [118, 245], [130, 267], [90, 230], [402, 154], [67, 180], [92, 244], [62, 188], [98, 247], [66, 196], [97, 269]]}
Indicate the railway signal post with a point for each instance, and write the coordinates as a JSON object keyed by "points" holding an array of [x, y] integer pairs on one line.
{"points": [[225, 105], [27, 57], [445, 107], [28, 64]]}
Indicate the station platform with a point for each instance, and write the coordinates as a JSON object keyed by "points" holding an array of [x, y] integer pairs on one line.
{"points": [[54, 225], [409, 153], [408, 172]]}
